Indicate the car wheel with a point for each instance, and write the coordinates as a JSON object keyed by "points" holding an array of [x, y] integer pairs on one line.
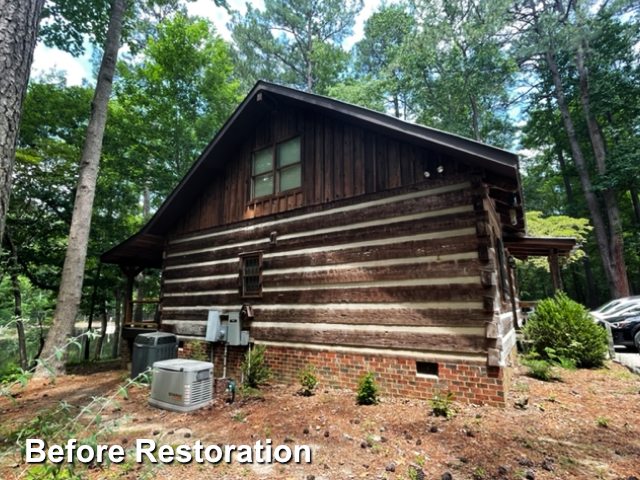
{"points": [[636, 340]]}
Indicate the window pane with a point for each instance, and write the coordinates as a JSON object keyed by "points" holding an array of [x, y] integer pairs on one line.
{"points": [[290, 178], [289, 152], [263, 185], [263, 161]]}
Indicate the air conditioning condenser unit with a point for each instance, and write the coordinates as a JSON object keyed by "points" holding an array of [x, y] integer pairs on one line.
{"points": [[181, 385]]}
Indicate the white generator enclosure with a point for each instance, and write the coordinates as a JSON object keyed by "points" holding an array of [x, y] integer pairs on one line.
{"points": [[181, 385]]}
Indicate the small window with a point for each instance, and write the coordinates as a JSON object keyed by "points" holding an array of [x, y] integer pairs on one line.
{"points": [[251, 275], [276, 169], [427, 368]]}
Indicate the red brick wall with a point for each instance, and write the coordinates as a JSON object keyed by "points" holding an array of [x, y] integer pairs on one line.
{"points": [[201, 351], [395, 376]]}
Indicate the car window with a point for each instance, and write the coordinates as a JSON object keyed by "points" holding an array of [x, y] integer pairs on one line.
{"points": [[608, 306], [621, 307]]}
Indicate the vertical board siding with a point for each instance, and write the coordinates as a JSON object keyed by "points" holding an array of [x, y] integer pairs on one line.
{"points": [[339, 160]]}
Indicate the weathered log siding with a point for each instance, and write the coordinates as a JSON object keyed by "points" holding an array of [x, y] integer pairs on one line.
{"points": [[339, 160], [397, 270]]}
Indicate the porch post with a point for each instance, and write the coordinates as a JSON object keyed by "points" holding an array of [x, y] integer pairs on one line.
{"points": [[554, 270]]}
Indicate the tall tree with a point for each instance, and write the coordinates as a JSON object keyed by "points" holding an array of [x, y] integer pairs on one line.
{"points": [[182, 86], [73, 271], [379, 56], [556, 36], [460, 69], [19, 21], [294, 42]]}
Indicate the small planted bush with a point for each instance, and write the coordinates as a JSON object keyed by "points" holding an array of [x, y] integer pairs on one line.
{"points": [[254, 368], [308, 380], [367, 390], [441, 403], [562, 328]]}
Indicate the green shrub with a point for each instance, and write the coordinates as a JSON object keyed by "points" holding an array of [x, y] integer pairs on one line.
{"points": [[540, 369], [308, 380], [367, 390], [441, 405], [253, 367], [198, 351], [562, 328]]}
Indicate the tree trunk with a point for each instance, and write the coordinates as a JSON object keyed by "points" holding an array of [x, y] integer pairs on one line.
{"points": [[19, 21], [17, 301], [610, 202], [103, 333], [565, 178], [636, 205], [115, 352], [474, 118], [73, 270], [599, 227], [591, 286], [87, 338]]}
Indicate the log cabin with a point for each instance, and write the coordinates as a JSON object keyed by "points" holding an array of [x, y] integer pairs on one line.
{"points": [[361, 242]]}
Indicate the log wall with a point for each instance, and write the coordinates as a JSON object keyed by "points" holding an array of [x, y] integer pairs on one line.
{"points": [[398, 271]]}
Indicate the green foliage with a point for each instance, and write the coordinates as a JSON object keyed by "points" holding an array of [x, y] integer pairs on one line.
{"points": [[367, 390], [540, 369], [308, 379], [296, 43], [441, 405], [183, 88], [562, 328], [254, 368], [10, 372], [198, 351], [603, 422]]}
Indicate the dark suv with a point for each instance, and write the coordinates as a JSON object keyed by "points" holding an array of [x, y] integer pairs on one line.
{"points": [[626, 331]]}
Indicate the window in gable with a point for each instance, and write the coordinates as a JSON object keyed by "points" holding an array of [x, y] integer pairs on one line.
{"points": [[251, 275], [276, 169]]}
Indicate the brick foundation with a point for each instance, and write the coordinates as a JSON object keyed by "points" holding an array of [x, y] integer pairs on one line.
{"points": [[202, 351], [395, 376], [471, 382]]}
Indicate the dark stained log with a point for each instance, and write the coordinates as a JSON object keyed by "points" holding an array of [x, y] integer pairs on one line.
{"points": [[430, 203], [487, 278], [390, 231], [463, 268], [381, 339], [453, 245], [196, 319], [375, 294], [483, 252], [318, 207], [488, 303]]}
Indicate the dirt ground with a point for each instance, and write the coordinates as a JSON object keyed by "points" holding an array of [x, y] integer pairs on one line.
{"points": [[585, 426]]}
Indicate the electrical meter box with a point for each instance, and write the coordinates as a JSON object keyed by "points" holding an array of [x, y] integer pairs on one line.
{"points": [[233, 329], [215, 331]]}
